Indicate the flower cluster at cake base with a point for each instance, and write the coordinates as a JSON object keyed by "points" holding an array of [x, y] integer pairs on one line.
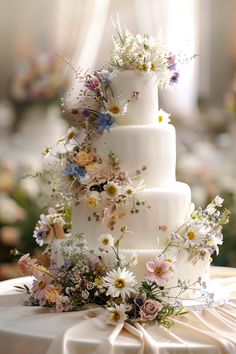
{"points": [[105, 277]]}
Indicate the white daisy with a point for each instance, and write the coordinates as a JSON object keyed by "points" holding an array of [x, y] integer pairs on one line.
{"points": [[117, 106], [218, 201], [70, 134], [112, 190], [195, 234], [117, 314], [120, 282], [106, 241], [163, 117]]}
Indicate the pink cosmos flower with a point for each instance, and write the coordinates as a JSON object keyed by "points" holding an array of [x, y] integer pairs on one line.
{"points": [[40, 287], [158, 270], [27, 264], [150, 309]]}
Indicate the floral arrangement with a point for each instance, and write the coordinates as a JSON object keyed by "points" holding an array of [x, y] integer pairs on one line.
{"points": [[145, 53], [103, 276], [38, 79]]}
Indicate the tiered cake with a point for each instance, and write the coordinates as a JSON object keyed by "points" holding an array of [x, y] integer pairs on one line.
{"points": [[133, 242], [140, 141]]}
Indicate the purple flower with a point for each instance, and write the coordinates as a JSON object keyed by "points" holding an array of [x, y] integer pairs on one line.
{"points": [[74, 170], [105, 121], [86, 113], [174, 78]]}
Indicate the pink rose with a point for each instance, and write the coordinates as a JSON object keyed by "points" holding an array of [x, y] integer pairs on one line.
{"points": [[150, 310], [27, 265]]}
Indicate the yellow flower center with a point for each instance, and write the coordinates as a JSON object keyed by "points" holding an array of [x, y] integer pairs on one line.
{"points": [[42, 284], [191, 235], [158, 271], [120, 283], [105, 241], [46, 151], [114, 109], [111, 190], [160, 118], [116, 316], [70, 135], [153, 67], [129, 191], [144, 67]]}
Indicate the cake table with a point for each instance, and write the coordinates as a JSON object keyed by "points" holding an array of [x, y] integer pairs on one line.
{"points": [[36, 330]]}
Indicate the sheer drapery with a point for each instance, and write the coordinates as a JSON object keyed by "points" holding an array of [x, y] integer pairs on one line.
{"points": [[79, 29]]}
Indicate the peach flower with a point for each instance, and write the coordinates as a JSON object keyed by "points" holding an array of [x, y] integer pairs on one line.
{"points": [[84, 158], [52, 294]]}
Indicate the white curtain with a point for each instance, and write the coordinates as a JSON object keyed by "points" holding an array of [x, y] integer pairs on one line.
{"points": [[80, 26]]}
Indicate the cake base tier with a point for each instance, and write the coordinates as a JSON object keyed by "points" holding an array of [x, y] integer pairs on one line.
{"points": [[169, 209], [184, 269]]}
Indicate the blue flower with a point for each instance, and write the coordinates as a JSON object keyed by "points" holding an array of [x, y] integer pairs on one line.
{"points": [[74, 170], [105, 121]]}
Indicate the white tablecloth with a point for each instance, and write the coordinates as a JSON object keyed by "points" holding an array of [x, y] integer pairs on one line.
{"points": [[35, 330]]}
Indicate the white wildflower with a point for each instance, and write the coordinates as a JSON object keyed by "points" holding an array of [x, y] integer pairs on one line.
{"points": [[117, 314], [163, 117], [120, 282], [112, 190], [117, 106], [106, 241], [218, 201]]}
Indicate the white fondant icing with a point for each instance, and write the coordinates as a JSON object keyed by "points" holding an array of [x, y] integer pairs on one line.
{"points": [[141, 90], [136, 146], [170, 207]]}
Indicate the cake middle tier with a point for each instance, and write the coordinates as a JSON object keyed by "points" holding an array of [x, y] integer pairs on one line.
{"points": [[169, 209], [152, 146]]}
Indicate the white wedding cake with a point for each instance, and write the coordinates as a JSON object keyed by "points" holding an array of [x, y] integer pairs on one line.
{"points": [[123, 233], [141, 141]]}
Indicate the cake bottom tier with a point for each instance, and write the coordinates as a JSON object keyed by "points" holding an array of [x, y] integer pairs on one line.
{"points": [[184, 269], [169, 209]]}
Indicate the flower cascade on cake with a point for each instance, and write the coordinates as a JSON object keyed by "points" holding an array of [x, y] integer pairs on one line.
{"points": [[122, 230]]}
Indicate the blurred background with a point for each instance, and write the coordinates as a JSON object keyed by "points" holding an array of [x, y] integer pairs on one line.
{"points": [[34, 38]]}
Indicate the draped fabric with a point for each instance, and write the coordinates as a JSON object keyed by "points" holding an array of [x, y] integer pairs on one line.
{"points": [[31, 330]]}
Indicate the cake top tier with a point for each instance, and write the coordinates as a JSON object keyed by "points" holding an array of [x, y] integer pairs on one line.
{"points": [[140, 91]]}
